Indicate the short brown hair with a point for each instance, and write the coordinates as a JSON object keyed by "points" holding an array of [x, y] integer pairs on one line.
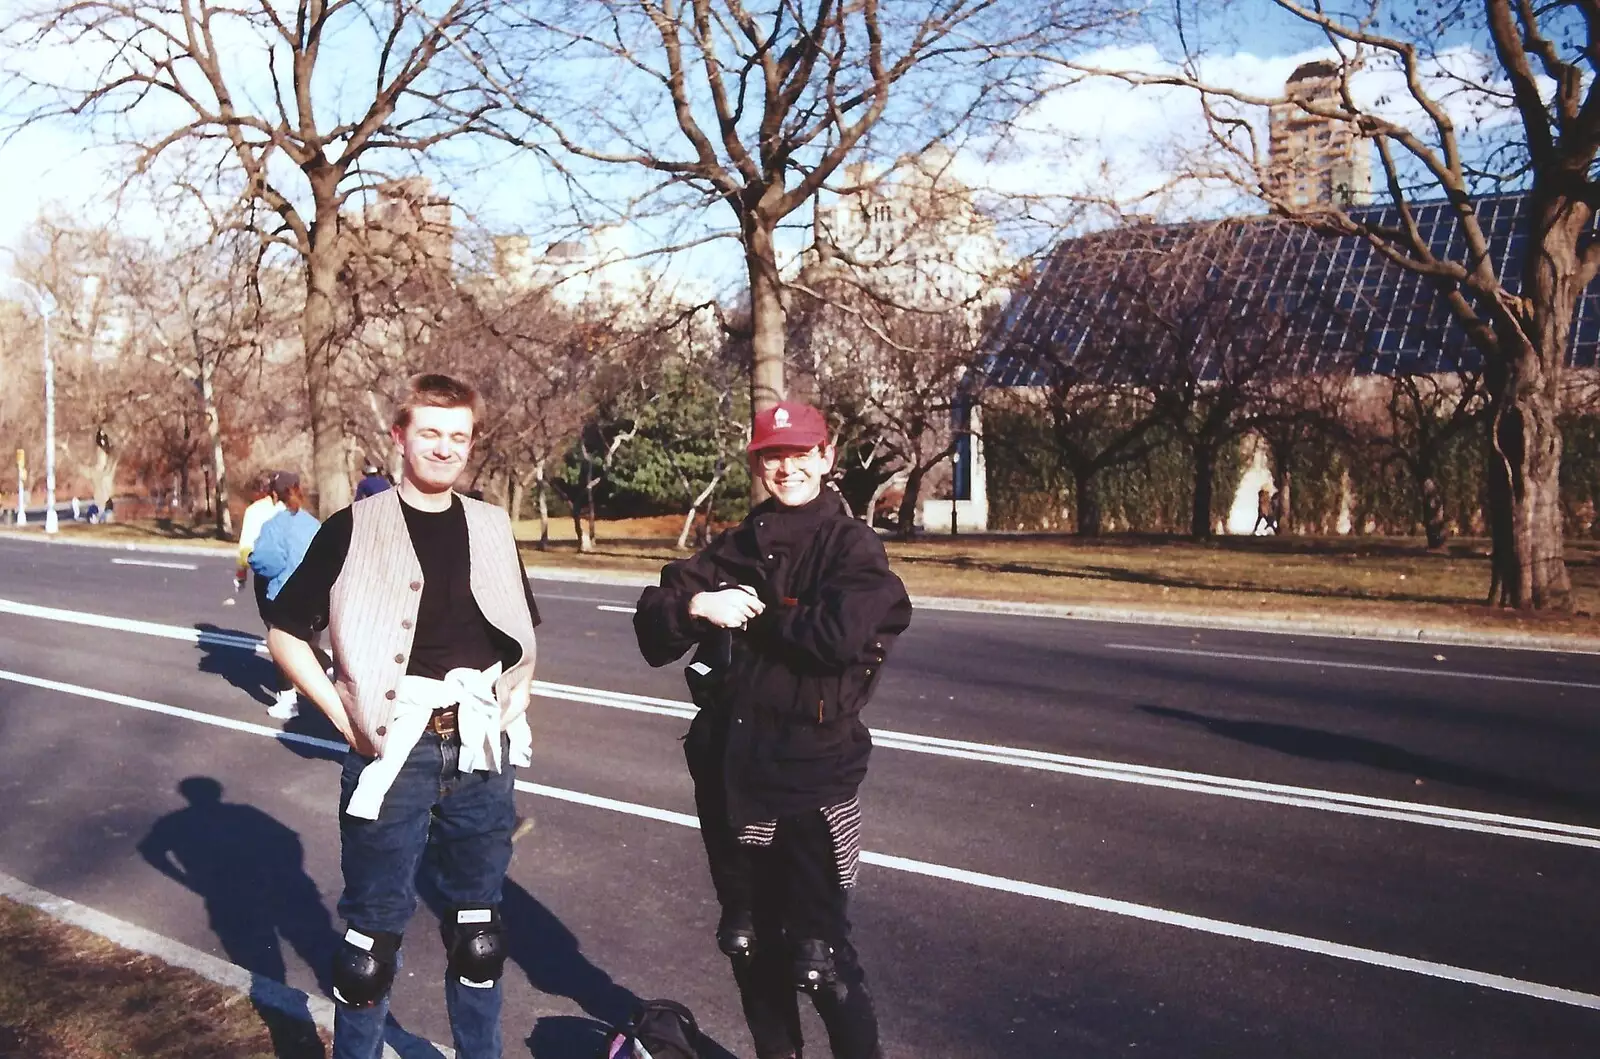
{"points": [[435, 390]]}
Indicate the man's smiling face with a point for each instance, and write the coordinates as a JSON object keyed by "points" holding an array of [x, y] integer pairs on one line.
{"points": [[435, 446]]}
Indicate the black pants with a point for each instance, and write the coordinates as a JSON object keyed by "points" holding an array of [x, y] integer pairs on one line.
{"points": [[791, 891]]}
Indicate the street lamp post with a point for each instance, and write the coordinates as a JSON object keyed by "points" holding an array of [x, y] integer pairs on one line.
{"points": [[45, 303], [47, 308]]}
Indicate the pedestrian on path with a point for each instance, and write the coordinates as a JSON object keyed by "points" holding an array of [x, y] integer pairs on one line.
{"points": [[264, 503], [280, 547], [792, 614], [1263, 511], [372, 481], [432, 626]]}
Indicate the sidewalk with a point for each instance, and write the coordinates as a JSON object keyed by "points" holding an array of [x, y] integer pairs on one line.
{"points": [[1308, 622]]}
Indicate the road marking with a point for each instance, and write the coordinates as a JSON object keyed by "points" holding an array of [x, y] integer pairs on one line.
{"points": [[615, 609], [979, 880], [1369, 666], [541, 596], [1450, 818], [152, 562]]}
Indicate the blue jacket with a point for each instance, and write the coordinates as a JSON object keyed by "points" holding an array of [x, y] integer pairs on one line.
{"points": [[281, 546], [371, 484]]}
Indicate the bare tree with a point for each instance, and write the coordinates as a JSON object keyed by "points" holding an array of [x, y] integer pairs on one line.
{"points": [[301, 107], [760, 108], [900, 375], [1230, 326], [197, 311], [103, 396], [1414, 421], [1533, 66]]}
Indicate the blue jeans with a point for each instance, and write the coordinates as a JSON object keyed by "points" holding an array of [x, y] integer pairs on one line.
{"points": [[462, 824]]}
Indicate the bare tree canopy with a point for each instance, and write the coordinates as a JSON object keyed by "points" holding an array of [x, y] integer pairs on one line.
{"points": [[1481, 96], [760, 106], [296, 108]]}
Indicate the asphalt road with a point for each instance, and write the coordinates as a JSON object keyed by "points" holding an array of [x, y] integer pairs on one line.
{"points": [[1089, 839]]}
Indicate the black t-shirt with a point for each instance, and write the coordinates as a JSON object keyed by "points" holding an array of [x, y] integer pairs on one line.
{"points": [[451, 631]]}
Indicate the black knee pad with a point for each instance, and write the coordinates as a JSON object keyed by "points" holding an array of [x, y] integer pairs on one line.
{"points": [[364, 966], [475, 944], [814, 969], [736, 936]]}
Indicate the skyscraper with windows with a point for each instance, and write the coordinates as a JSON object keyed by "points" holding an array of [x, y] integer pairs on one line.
{"points": [[1315, 160]]}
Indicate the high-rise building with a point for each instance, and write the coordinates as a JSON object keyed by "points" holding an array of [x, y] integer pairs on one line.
{"points": [[1315, 160]]}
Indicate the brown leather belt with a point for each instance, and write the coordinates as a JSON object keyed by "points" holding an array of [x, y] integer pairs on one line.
{"points": [[445, 723]]}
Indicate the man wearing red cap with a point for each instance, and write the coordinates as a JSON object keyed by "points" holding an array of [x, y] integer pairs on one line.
{"points": [[792, 614]]}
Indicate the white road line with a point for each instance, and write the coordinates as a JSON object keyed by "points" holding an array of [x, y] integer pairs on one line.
{"points": [[1369, 666], [152, 562], [615, 609], [1448, 817], [980, 880]]}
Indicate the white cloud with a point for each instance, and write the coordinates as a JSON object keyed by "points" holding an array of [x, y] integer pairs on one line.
{"points": [[1132, 144]]}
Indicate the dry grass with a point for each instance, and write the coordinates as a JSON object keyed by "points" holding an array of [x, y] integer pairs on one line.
{"points": [[68, 994], [1350, 579]]}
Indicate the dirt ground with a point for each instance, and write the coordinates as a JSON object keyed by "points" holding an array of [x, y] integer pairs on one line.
{"points": [[68, 994]]}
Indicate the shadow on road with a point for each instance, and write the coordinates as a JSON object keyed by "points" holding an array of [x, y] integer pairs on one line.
{"points": [[249, 868], [549, 954], [1317, 745], [245, 670], [312, 722]]}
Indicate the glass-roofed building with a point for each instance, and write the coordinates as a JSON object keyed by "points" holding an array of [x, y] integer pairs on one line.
{"points": [[1348, 308], [1371, 315]]}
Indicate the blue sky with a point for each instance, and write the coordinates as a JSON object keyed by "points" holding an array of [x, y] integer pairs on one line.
{"points": [[1104, 133]]}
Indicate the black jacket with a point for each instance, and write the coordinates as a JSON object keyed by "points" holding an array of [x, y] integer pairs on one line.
{"points": [[780, 706]]}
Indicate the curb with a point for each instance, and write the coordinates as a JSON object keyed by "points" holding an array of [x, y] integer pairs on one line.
{"points": [[222, 548], [267, 992], [1310, 625]]}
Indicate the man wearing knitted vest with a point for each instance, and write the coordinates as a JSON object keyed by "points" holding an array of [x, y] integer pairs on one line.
{"points": [[432, 627]]}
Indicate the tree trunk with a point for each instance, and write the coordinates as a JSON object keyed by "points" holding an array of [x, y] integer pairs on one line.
{"points": [[587, 536], [576, 503], [1086, 502], [767, 328], [1432, 501], [103, 478], [694, 509], [870, 515], [542, 491], [1525, 505], [1205, 484], [1285, 502], [907, 529], [1530, 569], [319, 335], [514, 490], [219, 464], [1282, 453]]}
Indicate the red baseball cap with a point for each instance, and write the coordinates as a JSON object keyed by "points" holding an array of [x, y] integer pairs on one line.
{"points": [[788, 424]]}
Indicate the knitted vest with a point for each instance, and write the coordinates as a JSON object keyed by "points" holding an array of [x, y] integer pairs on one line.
{"points": [[372, 610]]}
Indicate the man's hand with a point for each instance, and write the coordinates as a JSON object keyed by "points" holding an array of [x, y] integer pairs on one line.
{"points": [[357, 741], [304, 669], [731, 608]]}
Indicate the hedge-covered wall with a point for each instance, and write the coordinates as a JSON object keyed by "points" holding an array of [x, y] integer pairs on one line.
{"points": [[1030, 490]]}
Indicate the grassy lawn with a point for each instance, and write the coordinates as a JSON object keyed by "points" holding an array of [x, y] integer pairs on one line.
{"points": [[68, 994], [1355, 578], [1361, 579]]}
